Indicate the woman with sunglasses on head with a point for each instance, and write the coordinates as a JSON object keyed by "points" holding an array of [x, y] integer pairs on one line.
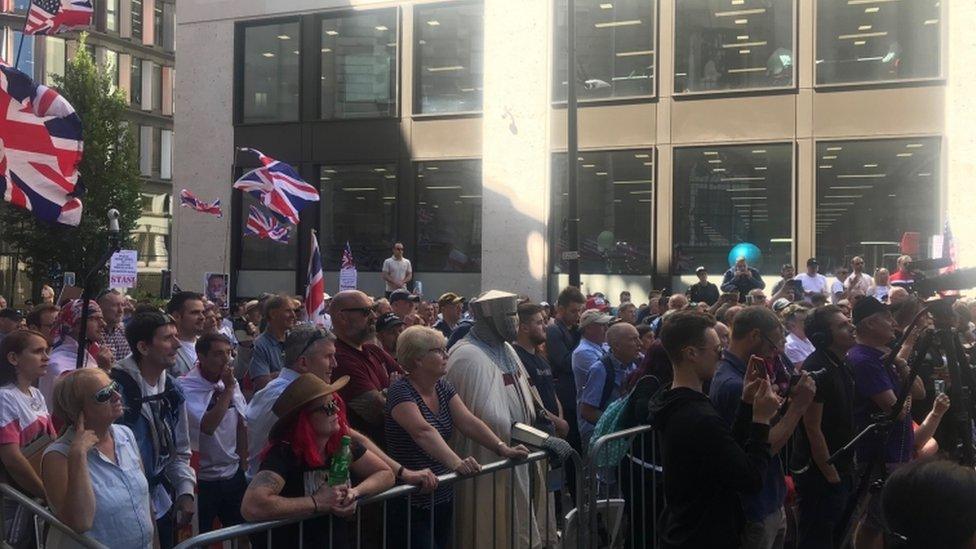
{"points": [[24, 419], [93, 473], [294, 477]]}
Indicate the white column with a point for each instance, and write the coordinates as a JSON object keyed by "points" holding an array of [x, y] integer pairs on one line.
{"points": [[515, 169], [960, 119]]}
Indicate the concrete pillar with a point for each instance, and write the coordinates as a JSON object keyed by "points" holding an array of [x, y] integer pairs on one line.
{"points": [[960, 119], [515, 169]]}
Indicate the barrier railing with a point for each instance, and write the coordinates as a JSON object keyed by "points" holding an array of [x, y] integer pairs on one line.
{"points": [[45, 516], [630, 490], [403, 493]]}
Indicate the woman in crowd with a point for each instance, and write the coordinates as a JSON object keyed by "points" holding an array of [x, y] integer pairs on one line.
{"points": [[293, 480], [881, 287], [422, 410], [25, 425], [930, 504], [93, 474]]}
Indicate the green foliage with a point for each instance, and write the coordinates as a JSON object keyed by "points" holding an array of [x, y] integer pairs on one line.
{"points": [[109, 171]]}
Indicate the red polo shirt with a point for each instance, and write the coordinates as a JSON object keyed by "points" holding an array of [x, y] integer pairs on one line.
{"points": [[368, 370]]}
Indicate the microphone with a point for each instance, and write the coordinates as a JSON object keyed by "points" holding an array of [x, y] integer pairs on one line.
{"points": [[113, 221]]}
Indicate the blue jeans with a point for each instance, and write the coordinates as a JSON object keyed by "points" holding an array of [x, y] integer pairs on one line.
{"points": [[821, 506]]}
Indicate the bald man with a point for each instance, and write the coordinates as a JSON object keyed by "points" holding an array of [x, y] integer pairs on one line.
{"points": [[605, 380]]}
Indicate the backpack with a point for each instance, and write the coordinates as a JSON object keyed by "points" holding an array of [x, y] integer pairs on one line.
{"points": [[613, 420]]}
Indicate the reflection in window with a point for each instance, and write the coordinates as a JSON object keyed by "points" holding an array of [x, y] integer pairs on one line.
{"points": [[158, 23], [870, 42], [262, 254], [151, 234], [728, 47], [614, 49], [135, 81], [54, 57], [112, 15], [157, 87], [616, 204], [26, 64], [876, 199], [271, 54], [450, 57], [359, 53], [359, 205], [728, 195], [136, 8], [449, 216], [112, 65]]}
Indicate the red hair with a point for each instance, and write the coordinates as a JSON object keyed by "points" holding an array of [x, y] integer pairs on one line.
{"points": [[300, 435]]}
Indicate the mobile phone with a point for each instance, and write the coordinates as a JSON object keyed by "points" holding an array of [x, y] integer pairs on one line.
{"points": [[759, 366], [940, 386]]}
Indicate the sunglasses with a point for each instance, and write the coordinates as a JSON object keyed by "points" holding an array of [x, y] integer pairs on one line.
{"points": [[319, 335], [364, 310], [105, 393], [330, 408]]}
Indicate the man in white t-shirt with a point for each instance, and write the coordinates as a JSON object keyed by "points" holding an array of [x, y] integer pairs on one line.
{"points": [[187, 311], [858, 279], [837, 289], [397, 271], [812, 281]]}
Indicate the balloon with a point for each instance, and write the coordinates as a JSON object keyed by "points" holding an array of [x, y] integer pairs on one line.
{"points": [[751, 252], [605, 241]]}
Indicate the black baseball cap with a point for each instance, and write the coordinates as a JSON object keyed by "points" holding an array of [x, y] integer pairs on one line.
{"points": [[866, 307], [403, 295], [11, 314], [812, 261], [387, 321]]}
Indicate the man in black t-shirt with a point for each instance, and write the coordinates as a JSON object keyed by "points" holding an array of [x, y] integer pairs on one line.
{"points": [[532, 334], [703, 291], [823, 488]]}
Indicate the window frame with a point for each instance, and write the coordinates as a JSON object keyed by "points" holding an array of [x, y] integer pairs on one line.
{"points": [[240, 29], [791, 89], [414, 191], [415, 107], [888, 83]]}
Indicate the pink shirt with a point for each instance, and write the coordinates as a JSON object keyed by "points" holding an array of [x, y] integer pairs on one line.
{"points": [[23, 418]]}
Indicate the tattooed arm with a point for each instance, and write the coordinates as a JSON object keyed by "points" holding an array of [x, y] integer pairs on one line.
{"points": [[262, 502]]}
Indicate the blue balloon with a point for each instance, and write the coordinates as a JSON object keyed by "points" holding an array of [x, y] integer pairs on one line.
{"points": [[751, 252]]}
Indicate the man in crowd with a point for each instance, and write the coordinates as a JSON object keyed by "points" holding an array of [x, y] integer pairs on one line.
{"points": [[837, 289], [112, 304], [677, 302], [705, 474], [404, 304], [828, 425], [757, 331], [904, 276], [898, 294], [605, 378], [532, 334], [653, 307], [562, 337], [267, 358], [785, 287], [450, 307], [593, 334], [798, 347], [702, 291], [3, 302], [627, 313], [43, 318], [187, 311], [368, 366], [742, 278], [388, 329], [397, 271], [757, 297], [156, 412], [858, 279], [215, 413], [10, 320], [812, 281]]}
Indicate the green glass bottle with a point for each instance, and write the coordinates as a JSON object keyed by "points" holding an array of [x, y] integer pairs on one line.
{"points": [[339, 471]]}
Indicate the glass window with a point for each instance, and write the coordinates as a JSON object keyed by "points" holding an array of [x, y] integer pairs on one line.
{"points": [[719, 46], [145, 150], [449, 216], [169, 12], [616, 206], [157, 153], [876, 199], [158, 23], [731, 195], [151, 235], [271, 54], [54, 58], [157, 87], [112, 15], [26, 64], [262, 254], [359, 57], [112, 66], [359, 205], [614, 49], [16, 6], [135, 81], [876, 42], [136, 10], [166, 154], [450, 57]]}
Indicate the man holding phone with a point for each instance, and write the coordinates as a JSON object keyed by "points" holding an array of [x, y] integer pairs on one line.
{"points": [[742, 278]]}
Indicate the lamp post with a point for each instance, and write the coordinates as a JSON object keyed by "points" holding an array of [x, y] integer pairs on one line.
{"points": [[572, 255]]}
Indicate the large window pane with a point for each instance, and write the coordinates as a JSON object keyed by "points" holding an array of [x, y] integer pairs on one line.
{"points": [[449, 216], [271, 54], [616, 202], [54, 56], [724, 196], [450, 57], [262, 254], [359, 204], [719, 46], [359, 53], [26, 64], [135, 81], [876, 199], [112, 64], [158, 23], [614, 49], [877, 41], [136, 11], [157, 87], [112, 15], [151, 235]]}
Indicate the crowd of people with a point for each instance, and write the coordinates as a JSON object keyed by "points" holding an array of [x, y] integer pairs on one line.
{"points": [[187, 411]]}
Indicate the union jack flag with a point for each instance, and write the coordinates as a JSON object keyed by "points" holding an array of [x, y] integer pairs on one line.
{"points": [[262, 225], [189, 200], [278, 186], [57, 16], [315, 290], [40, 148], [347, 261]]}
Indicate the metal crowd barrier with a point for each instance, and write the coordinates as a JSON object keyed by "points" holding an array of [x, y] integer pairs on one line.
{"points": [[624, 496], [404, 493], [43, 515]]}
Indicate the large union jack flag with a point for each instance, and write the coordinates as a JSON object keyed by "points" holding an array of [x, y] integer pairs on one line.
{"points": [[57, 16], [278, 186], [40, 148], [189, 200], [347, 260], [315, 288], [262, 225]]}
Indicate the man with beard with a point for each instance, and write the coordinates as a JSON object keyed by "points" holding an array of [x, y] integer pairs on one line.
{"points": [[188, 312], [532, 334], [369, 367]]}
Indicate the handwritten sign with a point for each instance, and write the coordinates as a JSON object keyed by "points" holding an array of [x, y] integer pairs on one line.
{"points": [[123, 269], [348, 278]]}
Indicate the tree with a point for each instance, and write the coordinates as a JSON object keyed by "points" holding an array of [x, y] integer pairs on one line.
{"points": [[109, 171]]}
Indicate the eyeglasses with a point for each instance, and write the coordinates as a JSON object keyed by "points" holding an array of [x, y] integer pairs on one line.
{"points": [[439, 350], [770, 341], [105, 393], [318, 336], [364, 310], [329, 408]]}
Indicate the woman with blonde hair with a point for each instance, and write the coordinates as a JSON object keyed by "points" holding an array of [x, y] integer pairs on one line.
{"points": [[882, 285], [93, 474]]}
